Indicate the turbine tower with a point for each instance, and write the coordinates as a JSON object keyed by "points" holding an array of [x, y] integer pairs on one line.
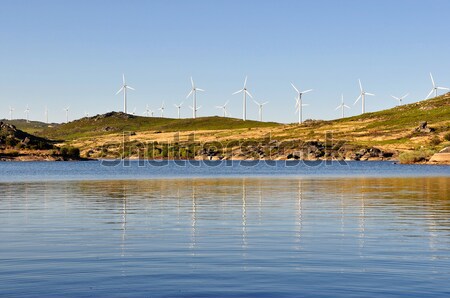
{"points": [[194, 98], [362, 96], [245, 92], [178, 108], [224, 109], [147, 111], [342, 106], [435, 88], [400, 99], [67, 113], [27, 112], [11, 110], [299, 104], [162, 110], [124, 89], [260, 106]]}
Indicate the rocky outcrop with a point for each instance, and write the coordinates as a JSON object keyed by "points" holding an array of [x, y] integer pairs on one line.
{"points": [[442, 157]]}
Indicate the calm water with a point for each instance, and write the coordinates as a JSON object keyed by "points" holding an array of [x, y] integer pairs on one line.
{"points": [[361, 230]]}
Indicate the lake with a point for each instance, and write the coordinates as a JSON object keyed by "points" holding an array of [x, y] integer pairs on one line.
{"points": [[295, 229]]}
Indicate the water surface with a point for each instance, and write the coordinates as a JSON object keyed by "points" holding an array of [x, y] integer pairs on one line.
{"points": [[286, 235]]}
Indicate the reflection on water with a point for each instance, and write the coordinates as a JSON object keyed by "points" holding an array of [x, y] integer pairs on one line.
{"points": [[227, 237]]}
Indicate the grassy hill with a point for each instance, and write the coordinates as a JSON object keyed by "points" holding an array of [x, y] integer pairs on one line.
{"points": [[31, 127], [389, 130], [117, 122]]}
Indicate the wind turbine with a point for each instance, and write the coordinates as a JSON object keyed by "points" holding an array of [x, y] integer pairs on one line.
{"points": [[342, 106], [195, 109], [435, 88], [194, 98], [67, 113], [245, 92], [147, 111], [260, 105], [27, 112], [11, 110], [178, 108], [400, 99], [224, 109], [162, 110], [124, 89], [362, 96], [299, 104], [86, 114]]}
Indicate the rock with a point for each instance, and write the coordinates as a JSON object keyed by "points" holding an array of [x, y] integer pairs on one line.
{"points": [[423, 127], [443, 157]]}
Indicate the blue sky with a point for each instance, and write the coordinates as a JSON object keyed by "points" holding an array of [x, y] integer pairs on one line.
{"points": [[60, 53]]}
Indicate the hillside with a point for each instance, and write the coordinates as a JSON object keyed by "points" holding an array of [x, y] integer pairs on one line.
{"points": [[382, 134], [118, 122], [31, 127]]}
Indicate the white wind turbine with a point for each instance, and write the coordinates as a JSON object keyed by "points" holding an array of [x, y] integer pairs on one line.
{"points": [[178, 108], [67, 113], [162, 110], [342, 106], [400, 99], [194, 98], [86, 114], [27, 113], [362, 96], [435, 88], [194, 110], [299, 104], [245, 92], [260, 106], [224, 109], [11, 110], [124, 89], [147, 111]]}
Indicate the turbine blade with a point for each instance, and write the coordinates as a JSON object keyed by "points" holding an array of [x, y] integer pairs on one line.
{"points": [[442, 88], [394, 97], [265, 103], [248, 93], [192, 83], [226, 103], [429, 94], [404, 96], [238, 92], [123, 78], [192, 90], [346, 106], [432, 80], [245, 82], [357, 99], [120, 90], [360, 85], [295, 88], [306, 91], [129, 87], [338, 107], [370, 94], [198, 89]]}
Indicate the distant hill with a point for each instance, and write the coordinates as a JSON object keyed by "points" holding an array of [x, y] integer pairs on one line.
{"points": [[32, 127], [117, 122]]}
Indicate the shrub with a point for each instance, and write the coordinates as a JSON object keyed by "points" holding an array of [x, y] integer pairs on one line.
{"points": [[435, 141], [70, 152], [415, 156], [447, 136]]}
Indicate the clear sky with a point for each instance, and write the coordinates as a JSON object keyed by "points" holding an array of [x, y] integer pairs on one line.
{"points": [[61, 53]]}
